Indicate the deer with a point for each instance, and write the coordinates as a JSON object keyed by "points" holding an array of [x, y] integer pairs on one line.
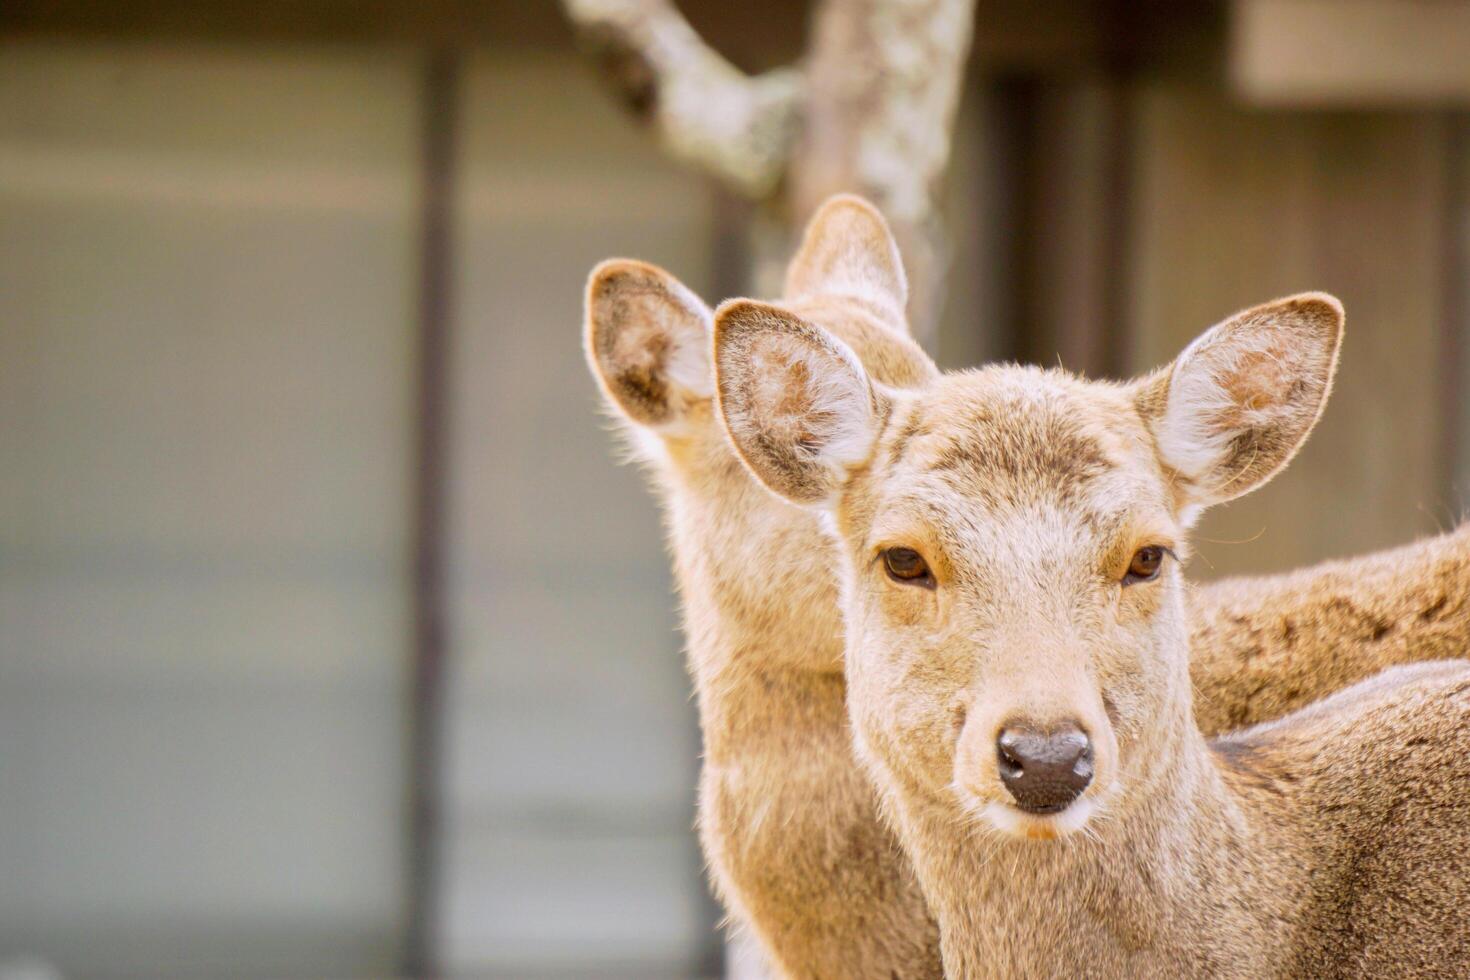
{"points": [[789, 824], [1018, 657]]}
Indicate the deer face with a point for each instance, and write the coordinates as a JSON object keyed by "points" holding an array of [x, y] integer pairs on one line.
{"points": [[1017, 649]]}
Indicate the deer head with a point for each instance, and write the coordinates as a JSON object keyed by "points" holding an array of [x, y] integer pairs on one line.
{"points": [[1017, 647]]}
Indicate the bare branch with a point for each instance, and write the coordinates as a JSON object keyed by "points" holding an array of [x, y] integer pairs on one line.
{"points": [[706, 111]]}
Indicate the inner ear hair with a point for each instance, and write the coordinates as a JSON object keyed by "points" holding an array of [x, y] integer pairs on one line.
{"points": [[796, 402], [1235, 407], [647, 340]]}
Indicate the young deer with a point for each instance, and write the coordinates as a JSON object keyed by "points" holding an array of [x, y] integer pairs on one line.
{"points": [[782, 794], [1017, 655], [787, 820]]}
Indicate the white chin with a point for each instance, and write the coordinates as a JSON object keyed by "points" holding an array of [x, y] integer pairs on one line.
{"points": [[1039, 826]]}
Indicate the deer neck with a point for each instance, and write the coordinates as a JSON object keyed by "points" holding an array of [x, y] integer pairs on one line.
{"points": [[760, 610], [1142, 888]]}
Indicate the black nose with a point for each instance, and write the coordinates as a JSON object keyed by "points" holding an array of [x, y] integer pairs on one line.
{"points": [[1044, 771]]}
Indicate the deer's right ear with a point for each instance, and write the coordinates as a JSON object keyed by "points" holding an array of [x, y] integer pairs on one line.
{"points": [[647, 341], [796, 401]]}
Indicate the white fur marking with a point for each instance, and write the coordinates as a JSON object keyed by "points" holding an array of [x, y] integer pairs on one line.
{"points": [[689, 365], [1186, 441], [1009, 820]]}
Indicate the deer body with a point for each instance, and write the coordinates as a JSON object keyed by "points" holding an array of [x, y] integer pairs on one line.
{"points": [[1018, 664], [1262, 647], [1261, 856]]}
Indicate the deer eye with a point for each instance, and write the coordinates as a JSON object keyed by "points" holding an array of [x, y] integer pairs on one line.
{"points": [[907, 566], [1145, 565]]}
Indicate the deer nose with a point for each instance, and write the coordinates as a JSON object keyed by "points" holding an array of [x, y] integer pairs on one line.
{"points": [[1044, 771]]}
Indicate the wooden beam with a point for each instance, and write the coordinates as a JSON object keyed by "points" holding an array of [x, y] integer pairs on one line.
{"points": [[1454, 355], [1350, 52], [1010, 35], [1069, 226], [440, 99]]}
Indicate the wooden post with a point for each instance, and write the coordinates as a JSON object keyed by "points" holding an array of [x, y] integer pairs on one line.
{"points": [[425, 715]]}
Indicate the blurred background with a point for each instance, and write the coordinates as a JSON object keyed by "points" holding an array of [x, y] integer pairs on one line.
{"points": [[333, 641]]}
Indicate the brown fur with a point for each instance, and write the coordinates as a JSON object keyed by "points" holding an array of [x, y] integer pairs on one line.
{"points": [[788, 821], [1328, 843], [1262, 647]]}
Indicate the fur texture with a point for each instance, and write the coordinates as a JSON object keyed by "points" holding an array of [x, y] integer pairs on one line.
{"points": [[1263, 647], [1327, 843], [1260, 377]]}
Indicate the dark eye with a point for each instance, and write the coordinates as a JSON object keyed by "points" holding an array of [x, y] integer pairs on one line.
{"points": [[908, 566], [1145, 565]]}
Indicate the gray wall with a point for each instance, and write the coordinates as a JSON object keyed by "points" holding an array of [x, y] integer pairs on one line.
{"points": [[206, 262], [572, 740], [208, 273]]}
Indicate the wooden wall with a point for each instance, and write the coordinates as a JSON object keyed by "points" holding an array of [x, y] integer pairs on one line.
{"points": [[1233, 206], [1148, 206]]}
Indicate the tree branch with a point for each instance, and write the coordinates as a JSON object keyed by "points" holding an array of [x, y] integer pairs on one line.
{"points": [[706, 111], [883, 84]]}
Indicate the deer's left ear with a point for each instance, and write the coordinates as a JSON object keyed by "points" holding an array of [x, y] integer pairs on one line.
{"points": [[1234, 408], [796, 402], [848, 250], [647, 341]]}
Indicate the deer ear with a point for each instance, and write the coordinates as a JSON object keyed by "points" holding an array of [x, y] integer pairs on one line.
{"points": [[1234, 408], [647, 341], [848, 250], [796, 402]]}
